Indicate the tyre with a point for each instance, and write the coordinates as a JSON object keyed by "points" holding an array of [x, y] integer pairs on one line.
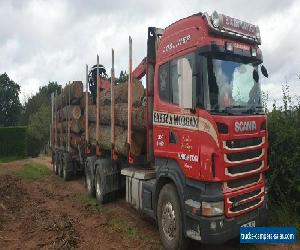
{"points": [[55, 167], [100, 185], [60, 166], [170, 217], [89, 178], [106, 184], [67, 168], [54, 163]]}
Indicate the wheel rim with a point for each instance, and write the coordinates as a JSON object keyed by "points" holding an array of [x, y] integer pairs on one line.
{"points": [[98, 187], [169, 220]]}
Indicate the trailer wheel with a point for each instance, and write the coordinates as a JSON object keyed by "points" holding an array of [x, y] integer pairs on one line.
{"points": [[170, 217], [54, 163], [67, 168], [89, 180], [60, 165], [55, 167]]}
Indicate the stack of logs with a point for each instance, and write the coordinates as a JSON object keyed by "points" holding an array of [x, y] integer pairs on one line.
{"points": [[69, 106], [74, 116]]}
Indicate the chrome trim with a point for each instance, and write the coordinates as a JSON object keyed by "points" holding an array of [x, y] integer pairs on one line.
{"points": [[240, 187], [262, 190], [244, 173], [250, 147], [247, 209], [247, 160]]}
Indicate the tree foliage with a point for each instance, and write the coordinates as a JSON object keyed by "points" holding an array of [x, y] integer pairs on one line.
{"points": [[10, 106], [42, 97], [38, 129], [123, 77], [37, 115], [284, 157], [13, 141]]}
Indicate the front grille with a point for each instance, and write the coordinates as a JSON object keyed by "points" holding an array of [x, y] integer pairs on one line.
{"points": [[245, 206], [244, 155], [244, 196], [244, 168], [243, 182], [243, 143]]}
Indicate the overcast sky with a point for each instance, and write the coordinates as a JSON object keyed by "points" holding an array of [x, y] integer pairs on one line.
{"points": [[43, 41]]}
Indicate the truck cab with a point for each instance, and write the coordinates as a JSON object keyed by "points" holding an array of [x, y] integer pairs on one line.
{"points": [[209, 131], [200, 174]]}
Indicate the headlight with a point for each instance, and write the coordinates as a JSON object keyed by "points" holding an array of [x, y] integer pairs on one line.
{"points": [[212, 208]]}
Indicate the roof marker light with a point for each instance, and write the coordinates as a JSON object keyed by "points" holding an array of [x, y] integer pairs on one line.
{"points": [[228, 46], [229, 26], [258, 33], [253, 52], [216, 19]]}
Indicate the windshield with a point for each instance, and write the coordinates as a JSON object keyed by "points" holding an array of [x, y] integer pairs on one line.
{"points": [[231, 86]]}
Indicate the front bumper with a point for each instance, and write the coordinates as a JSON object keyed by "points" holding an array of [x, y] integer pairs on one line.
{"points": [[199, 227]]}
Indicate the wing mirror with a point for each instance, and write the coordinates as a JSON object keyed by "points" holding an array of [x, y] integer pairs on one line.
{"points": [[264, 71], [255, 75]]}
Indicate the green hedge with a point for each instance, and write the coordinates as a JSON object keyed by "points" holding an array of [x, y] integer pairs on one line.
{"points": [[13, 141]]}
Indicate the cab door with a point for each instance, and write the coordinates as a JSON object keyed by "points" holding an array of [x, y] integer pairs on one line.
{"points": [[176, 136]]}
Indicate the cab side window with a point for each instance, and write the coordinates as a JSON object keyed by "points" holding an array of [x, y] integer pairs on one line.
{"points": [[177, 81], [164, 82]]}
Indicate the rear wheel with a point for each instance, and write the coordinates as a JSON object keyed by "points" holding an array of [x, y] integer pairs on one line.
{"points": [[99, 185], [67, 168], [55, 167], [60, 166], [170, 217], [89, 178], [54, 163]]}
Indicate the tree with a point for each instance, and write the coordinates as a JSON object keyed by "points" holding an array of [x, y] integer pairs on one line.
{"points": [[123, 77], [38, 129], [42, 97], [10, 106]]}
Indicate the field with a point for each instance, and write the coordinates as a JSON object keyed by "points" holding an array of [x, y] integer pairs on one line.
{"points": [[40, 211]]}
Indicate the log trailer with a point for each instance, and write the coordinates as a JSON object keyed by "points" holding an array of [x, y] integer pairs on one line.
{"points": [[202, 174]]}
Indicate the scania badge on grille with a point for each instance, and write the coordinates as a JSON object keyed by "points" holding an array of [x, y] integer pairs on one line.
{"points": [[244, 126]]}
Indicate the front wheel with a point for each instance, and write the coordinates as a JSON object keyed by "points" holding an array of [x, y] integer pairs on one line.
{"points": [[170, 217]]}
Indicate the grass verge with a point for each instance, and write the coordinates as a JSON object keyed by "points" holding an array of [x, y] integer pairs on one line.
{"points": [[121, 227], [90, 203], [33, 171], [130, 232], [6, 159]]}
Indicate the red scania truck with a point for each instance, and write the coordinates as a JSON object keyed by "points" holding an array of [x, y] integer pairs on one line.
{"points": [[202, 176]]}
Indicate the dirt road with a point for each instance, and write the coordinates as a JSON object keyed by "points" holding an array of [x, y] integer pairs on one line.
{"points": [[45, 212], [49, 213]]}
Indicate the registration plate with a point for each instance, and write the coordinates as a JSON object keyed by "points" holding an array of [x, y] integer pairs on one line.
{"points": [[249, 224]]}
